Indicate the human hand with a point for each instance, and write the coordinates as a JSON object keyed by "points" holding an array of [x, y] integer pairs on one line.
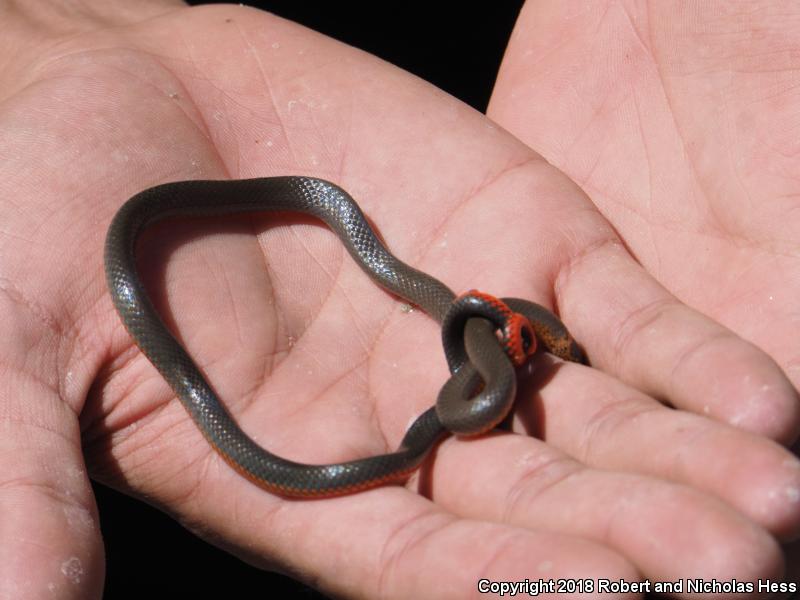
{"points": [[315, 361], [677, 121]]}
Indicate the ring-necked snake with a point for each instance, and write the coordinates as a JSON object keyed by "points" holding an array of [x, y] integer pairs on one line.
{"points": [[478, 395]]}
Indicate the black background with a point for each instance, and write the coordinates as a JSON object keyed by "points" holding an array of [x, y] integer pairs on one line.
{"points": [[456, 46]]}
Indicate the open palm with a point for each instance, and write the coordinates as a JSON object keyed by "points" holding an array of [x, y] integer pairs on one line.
{"points": [[319, 365], [681, 130], [678, 121]]}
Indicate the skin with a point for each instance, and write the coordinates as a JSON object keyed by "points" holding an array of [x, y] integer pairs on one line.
{"points": [[102, 100], [696, 99]]}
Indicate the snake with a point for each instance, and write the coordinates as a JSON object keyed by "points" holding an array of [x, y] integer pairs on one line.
{"points": [[477, 397]]}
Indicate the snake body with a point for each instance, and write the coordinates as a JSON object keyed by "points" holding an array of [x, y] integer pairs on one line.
{"points": [[480, 362]]}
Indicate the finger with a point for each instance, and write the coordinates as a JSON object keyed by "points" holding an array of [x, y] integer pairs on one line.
{"points": [[687, 220], [523, 482], [383, 543], [390, 543], [602, 422], [51, 538], [654, 343], [567, 257], [643, 334]]}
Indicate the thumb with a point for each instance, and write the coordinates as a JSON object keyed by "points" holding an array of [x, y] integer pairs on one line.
{"points": [[50, 543]]}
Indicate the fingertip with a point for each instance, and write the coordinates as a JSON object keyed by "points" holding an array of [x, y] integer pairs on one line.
{"points": [[734, 382], [781, 510], [772, 410], [748, 554], [758, 477], [776, 499], [566, 565], [52, 545]]}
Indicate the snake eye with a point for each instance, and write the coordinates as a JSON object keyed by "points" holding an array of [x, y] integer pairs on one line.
{"points": [[519, 340], [528, 339]]}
